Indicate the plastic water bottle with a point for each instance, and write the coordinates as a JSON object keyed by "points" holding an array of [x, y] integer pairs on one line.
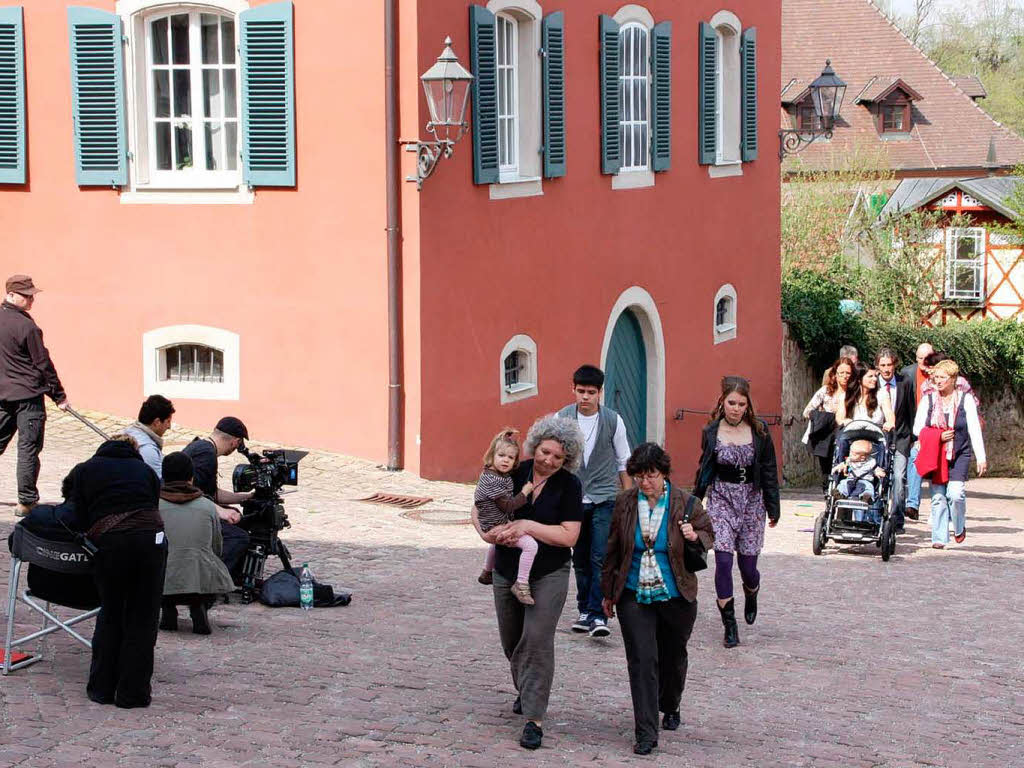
{"points": [[306, 588]]}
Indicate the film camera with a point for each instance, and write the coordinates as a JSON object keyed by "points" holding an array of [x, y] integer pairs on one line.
{"points": [[263, 514]]}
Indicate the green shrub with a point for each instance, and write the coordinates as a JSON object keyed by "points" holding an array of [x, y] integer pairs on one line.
{"points": [[810, 305]]}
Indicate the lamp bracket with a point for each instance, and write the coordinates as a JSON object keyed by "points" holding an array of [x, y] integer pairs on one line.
{"points": [[794, 141]]}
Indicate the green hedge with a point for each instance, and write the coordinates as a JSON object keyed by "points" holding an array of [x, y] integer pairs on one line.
{"points": [[990, 352]]}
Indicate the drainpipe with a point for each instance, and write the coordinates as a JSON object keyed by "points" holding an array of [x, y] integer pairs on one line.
{"points": [[394, 237]]}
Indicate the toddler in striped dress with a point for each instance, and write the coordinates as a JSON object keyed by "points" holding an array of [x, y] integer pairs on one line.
{"points": [[496, 505]]}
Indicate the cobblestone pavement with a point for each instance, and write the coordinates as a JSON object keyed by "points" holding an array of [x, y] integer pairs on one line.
{"points": [[852, 662]]}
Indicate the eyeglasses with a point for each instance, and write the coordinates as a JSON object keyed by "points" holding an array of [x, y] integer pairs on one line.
{"points": [[650, 477]]}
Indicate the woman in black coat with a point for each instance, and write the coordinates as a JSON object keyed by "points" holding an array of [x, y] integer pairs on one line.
{"points": [[116, 496], [739, 475]]}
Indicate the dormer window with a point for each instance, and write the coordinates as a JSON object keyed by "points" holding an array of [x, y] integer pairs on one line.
{"points": [[895, 115], [806, 118], [891, 101]]}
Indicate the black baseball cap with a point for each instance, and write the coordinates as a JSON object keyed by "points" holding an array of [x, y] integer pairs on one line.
{"points": [[229, 425]]}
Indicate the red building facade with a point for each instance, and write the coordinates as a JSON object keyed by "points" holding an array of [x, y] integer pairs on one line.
{"points": [[269, 300]]}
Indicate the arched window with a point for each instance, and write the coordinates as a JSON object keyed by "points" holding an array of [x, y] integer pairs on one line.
{"points": [[727, 85], [724, 327], [507, 38], [191, 361], [518, 369], [634, 95]]}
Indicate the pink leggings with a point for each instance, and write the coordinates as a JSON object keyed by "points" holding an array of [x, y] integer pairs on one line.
{"points": [[529, 546]]}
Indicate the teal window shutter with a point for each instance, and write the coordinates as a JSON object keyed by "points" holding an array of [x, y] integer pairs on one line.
{"points": [[611, 68], [707, 97], [483, 60], [661, 96], [553, 77], [12, 96], [748, 121], [268, 95], [97, 97]]}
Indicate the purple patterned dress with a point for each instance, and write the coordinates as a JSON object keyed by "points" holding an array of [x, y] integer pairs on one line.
{"points": [[736, 509]]}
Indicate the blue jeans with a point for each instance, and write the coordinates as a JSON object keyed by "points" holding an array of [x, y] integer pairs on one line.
{"points": [[948, 501], [588, 555], [913, 482], [899, 487]]}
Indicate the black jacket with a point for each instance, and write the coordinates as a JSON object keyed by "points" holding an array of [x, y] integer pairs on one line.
{"points": [[115, 480], [766, 474], [906, 409], [26, 370]]}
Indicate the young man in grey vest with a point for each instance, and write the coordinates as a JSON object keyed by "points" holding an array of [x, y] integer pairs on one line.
{"points": [[603, 474]]}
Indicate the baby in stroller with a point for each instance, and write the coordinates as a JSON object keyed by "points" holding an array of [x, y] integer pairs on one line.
{"points": [[858, 472]]}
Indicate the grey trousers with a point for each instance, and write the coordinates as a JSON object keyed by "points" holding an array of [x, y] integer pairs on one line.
{"points": [[899, 488], [655, 637], [528, 636]]}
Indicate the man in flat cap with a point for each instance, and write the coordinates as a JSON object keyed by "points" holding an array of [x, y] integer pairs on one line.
{"points": [[229, 434], [26, 374]]}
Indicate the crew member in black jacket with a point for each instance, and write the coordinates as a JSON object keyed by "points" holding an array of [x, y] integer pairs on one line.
{"points": [[26, 374], [116, 498]]}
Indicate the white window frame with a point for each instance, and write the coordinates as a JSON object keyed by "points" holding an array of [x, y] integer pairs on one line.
{"points": [[977, 264], [631, 122], [143, 185], [728, 89], [523, 180], [154, 342], [724, 331], [507, 31], [527, 385], [630, 17]]}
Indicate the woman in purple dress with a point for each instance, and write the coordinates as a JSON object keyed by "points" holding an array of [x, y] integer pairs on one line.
{"points": [[739, 476]]}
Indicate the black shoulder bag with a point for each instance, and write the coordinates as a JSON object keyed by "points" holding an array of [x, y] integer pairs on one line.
{"points": [[695, 557]]}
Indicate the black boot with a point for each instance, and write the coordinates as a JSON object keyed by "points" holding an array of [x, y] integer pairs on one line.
{"points": [[200, 624], [169, 616], [732, 632], [750, 604]]}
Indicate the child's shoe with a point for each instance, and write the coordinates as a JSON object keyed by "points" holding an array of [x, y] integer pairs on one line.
{"points": [[485, 577], [867, 498], [521, 590], [836, 493]]}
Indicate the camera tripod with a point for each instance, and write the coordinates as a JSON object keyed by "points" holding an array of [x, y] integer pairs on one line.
{"points": [[262, 544]]}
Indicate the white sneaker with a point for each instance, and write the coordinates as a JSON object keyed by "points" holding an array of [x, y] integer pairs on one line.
{"points": [[599, 627], [582, 624]]}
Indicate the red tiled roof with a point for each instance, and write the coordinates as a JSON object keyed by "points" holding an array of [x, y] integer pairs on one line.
{"points": [[880, 86], [971, 85], [950, 131]]}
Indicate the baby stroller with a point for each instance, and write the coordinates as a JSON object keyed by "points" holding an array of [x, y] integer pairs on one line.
{"points": [[852, 521]]}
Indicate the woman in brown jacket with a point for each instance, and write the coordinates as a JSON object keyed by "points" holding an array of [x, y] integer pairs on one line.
{"points": [[645, 576]]}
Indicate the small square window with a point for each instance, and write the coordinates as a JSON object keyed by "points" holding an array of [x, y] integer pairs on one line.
{"points": [[895, 118], [192, 362]]}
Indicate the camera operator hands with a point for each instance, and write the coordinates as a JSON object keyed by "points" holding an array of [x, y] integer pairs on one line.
{"points": [[229, 515]]}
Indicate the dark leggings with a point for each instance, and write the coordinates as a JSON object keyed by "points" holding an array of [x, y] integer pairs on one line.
{"points": [[723, 573]]}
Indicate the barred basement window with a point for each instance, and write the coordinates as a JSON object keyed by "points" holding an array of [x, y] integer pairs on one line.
{"points": [[518, 369], [192, 362]]}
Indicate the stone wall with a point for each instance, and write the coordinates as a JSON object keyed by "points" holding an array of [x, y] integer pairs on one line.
{"points": [[1002, 411]]}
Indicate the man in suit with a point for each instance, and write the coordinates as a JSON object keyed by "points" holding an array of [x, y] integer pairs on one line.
{"points": [[891, 383], [914, 376]]}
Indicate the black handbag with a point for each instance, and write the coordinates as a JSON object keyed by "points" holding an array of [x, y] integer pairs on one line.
{"points": [[695, 557]]}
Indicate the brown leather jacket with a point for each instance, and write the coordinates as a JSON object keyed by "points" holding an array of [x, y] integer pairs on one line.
{"points": [[622, 536]]}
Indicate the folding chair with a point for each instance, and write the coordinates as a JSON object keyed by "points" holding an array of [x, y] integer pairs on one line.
{"points": [[64, 579]]}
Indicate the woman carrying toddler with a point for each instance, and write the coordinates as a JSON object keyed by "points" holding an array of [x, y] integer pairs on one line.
{"points": [[496, 505]]}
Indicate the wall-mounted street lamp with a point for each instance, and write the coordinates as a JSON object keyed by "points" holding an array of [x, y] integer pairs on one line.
{"points": [[446, 85], [827, 93]]}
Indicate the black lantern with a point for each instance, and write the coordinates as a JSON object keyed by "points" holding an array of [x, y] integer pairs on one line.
{"points": [[827, 92]]}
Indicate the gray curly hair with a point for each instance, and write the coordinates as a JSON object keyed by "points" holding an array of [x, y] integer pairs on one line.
{"points": [[564, 431]]}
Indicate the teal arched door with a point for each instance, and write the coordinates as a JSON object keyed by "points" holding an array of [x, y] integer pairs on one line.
{"points": [[625, 386]]}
